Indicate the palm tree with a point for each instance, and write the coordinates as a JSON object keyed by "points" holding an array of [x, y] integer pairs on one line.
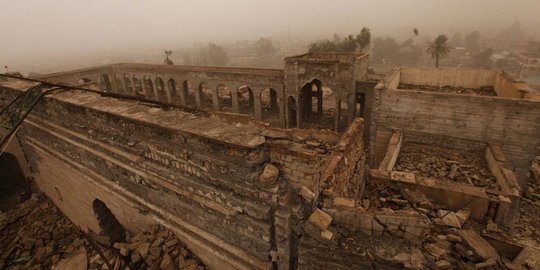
{"points": [[167, 60], [439, 48], [364, 38]]}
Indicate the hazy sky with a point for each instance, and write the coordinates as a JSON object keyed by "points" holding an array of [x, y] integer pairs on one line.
{"points": [[36, 30]]}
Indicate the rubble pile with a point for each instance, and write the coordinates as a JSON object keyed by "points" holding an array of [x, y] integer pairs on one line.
{"points": [[156, 248], [528, 223], [447, 164], [455, 240], [482, 91], [36, 235]]}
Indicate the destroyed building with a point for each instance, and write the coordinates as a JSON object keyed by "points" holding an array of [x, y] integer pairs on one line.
{"points": [[309, 167]]}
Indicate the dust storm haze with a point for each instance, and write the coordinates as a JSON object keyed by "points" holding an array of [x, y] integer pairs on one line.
{"points": [[48, 36]]}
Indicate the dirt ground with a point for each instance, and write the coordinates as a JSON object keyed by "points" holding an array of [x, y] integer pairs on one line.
{"points": [[437, 162]]}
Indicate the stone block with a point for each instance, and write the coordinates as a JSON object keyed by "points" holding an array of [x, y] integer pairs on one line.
{"points": [[344, 202], [327, 235], [406, 177], [320, 219], [307, 194], [269, 174], [478, 244]]}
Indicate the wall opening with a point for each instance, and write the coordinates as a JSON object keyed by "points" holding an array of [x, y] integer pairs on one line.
{"points": [[224, 97], [173, 93], [206, 96], [160, 90], [110, 228], [189, 94], [127, 82], [269, 105], [138, 86], [291, 112], [14, 188], [246, 100], [148, 87]]}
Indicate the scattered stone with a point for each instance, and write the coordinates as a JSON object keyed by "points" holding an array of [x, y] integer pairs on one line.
{"points": [[167, 263], [448, 218], [463, 215], [307, 194], [269, 174], [478, 244], [327, 235], [74, 261], [453, 238], [443, 264], [435, 251], [320, 219], [344, 202]]}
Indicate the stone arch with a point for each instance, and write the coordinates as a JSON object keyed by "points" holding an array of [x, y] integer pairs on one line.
{"points": [[108, 224], [246, 100], [172, 94], [148, 86], [13, 185], [160, 90], [269, 104], [128, 84], [291, 112]]}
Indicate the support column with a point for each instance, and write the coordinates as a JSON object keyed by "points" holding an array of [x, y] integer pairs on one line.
{"points": [[299, 112], [124, 85], [319, 101], [338, 115], [215, 99], [198, 98], [154, 88], [133, 86], [143, 86], [112, 81], [257, 104], [234, 99]]}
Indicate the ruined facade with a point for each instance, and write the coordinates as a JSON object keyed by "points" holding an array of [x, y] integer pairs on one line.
{"points": [[216, 155]]}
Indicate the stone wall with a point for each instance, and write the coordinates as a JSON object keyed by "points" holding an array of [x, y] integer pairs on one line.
{"points": [[204, 187], [512, 123]]}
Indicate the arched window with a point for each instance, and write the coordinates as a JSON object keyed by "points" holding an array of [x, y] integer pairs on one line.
{"points": [[269, 105], [245, 100]]}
